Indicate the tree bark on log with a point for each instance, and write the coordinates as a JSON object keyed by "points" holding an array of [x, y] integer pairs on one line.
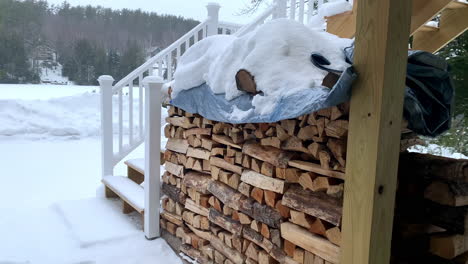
{"points": [[274, 156], [198, 181], [245, 82], [225, 222], [174, 193]]}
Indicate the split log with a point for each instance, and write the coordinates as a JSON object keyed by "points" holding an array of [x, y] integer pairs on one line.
{"points": [[198, 153], [225, 140], [226, 223], [337, 128], [284, 211], [316, 204], [245, 189], [177, 145], [338, 149], [174, 169], [252, 251], [257, 195], [299, 255], [270, 198], [175, 219], [193, 254], [214, 161], [192, 206], [334, 235], [174, 193], [197, 131], [231, 254], [180, 121], [448, 246], [306, 180], [312, 167], [274, 156], [310, 242], [451, 194], [294, 144], [264, 182], [307, 133], [198, 181], [239, 202]]}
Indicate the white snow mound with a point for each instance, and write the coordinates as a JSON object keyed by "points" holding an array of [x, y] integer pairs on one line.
{"points": [[277, 54]]}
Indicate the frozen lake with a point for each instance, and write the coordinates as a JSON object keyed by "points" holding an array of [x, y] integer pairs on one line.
{"points": [[42, 92]]}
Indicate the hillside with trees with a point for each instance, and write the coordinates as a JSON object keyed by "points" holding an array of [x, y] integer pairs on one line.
{"points": [[88, 41]]}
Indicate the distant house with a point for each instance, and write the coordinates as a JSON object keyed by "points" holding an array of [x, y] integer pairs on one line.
{"points": [[44, 53]]}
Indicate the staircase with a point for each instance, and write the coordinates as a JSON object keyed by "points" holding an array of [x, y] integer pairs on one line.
{"points": [[136, 118]]}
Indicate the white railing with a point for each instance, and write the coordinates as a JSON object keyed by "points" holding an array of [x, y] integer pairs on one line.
{"points": [[144, 103]]}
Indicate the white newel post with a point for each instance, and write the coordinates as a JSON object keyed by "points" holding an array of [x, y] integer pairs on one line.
{"points": [[153, 85], [107, 151], [213, 18], [281, 7]]}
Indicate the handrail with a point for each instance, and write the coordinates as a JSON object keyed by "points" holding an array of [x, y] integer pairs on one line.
{"points": [[258, 21], [149, 63]]}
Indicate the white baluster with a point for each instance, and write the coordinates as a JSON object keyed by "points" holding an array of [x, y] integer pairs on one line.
{"points": [[140, 105], [130, 113], [213, 18], [169, 67], [301, 11], [107, 149], [152, 156], [120, 121], [319, 4], [160, 68], [187, 45], [195, 38], [178, 55], [281, 6], [292, 10], [223, 31], [310, 11]]}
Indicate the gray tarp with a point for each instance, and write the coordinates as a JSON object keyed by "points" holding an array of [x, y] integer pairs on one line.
{"points": [[428, 98]]}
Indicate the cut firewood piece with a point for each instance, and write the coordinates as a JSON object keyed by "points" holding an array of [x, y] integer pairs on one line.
{"points": [[336, 113], [227, 211], [292, 175], [307, 133], [270, 198], [252, 251], [234, 181], [271, 132], [245, 82], [261, 181], [289, 248], [246, 161], [257, 195], [175, 219], [280, 173], [225, 222], [451, 194], [180, 121], [309, 258], [218, 152], [274, 156], [337, 128], [198, 181], [256, 165], [174, 193], [312, 167], [290, 126], [238, 158], [255, 225], [244, 219], [334, 235], [281, 133], [299, 255], [448, 246], [208, 144], [267, 169], [197, 165], [283, 210], [325, 159], [294, 144], [198, 209], [338, 149], [198, 153], [245, 189], [316, 204], [336, 190], [271, 141], [194, 141], [265, 258], [235, 256], [310, 242], [239, 202], [301, 219], [321, 184], [225, 140], [177, 145], [306, 180], [197, 131], [318, 227], [218, 162]]}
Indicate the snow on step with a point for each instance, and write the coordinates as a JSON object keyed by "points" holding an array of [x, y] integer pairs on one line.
{"points": [[127, 190], [94, 221], [136, 164]]}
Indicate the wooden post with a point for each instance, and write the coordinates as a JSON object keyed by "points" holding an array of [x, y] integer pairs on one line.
{"points": [[107, 152], [152, 155], [374, 133]]}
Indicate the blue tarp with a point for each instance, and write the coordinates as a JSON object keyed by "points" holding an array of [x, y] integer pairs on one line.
{"points": [[428, 98]]}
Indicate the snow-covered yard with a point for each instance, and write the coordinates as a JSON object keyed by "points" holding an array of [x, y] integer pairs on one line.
{"points": [[52, 208]]}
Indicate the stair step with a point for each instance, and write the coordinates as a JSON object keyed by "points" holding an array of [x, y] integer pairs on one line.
{"points": [[457, 4], [127, 190], [136, 164]]}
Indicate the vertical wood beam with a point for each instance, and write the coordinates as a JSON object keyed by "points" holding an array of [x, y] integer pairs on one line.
{"points": [[383, 28]]}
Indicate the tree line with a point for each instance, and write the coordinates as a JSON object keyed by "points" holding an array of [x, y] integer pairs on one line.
{"points": [[89, 41]]}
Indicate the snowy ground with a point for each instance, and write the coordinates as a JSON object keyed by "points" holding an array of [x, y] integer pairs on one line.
{"points": [[49, 210]]}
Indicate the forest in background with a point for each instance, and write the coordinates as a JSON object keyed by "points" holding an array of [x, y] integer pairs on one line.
{"points": [[88, 41]]}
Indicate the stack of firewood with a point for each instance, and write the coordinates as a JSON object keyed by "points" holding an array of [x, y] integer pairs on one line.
{"points": [[431, 217], [257, 193]]}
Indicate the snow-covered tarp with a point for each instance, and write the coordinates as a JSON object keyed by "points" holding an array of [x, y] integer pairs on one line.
{"points": [[278, 55]]}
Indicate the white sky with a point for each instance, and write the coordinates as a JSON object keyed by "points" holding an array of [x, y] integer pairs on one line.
{"points": [[187, 8]]}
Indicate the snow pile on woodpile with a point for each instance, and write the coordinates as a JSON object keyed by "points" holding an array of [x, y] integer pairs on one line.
{"points": [[276, 54]]}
